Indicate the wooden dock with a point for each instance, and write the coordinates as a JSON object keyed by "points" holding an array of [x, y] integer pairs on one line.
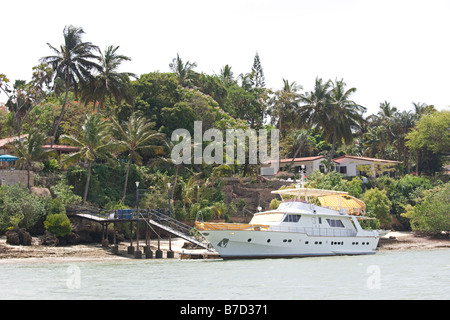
{"points": [[155, 220]]}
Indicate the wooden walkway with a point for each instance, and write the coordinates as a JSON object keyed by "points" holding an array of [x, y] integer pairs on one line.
{"points": [[152, 217]]}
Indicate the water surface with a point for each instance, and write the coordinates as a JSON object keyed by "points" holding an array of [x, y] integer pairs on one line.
{"points": [[418, 274]]}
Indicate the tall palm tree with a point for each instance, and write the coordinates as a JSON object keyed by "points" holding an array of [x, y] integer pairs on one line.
{"points": [[226, 74], [109, 82], [183, 71], [347, 116], [135, 134], [314, 109], [94, 142], [284, 102], [315, 105], [29, 150], [72, 63]]}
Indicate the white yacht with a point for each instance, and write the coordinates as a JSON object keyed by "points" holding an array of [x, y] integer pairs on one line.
{"points": [[310, 222]]}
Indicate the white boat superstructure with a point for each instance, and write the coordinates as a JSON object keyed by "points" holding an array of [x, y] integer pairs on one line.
{"points": [[313, 222]]}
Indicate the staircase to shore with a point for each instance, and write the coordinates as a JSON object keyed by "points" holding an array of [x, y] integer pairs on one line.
{"points": [[152, 217]]}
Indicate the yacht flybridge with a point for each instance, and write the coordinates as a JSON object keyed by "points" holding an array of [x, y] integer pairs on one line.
{"points": [[308, 222]]}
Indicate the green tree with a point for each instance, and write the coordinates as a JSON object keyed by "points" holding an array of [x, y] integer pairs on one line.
{"points": [[110, 82], [58, 224], [430, 136], [284, 103], [346, 116], [183, 71], [155, 91], [29, 150], [19, 207], [257, 75], [135, 134], [378, 205], [95, 141], [431, 215], [72, 63]]}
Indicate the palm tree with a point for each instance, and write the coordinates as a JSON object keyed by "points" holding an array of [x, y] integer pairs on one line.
{"points": [[135, 134], [29, 150], [72, 63], [347, 116], [284, 102], [109, 82], [95, 141], [315, 105], [314, 110], [183, 71], [226, 74]]}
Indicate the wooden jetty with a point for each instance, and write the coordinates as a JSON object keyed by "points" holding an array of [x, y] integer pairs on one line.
{"points": [[154, 219]]}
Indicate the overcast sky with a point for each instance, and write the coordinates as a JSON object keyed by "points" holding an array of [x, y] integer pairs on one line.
{"points": [[392, 50]]}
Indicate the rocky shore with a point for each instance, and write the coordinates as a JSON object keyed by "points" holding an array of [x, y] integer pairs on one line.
{"points": [[43, 253]]}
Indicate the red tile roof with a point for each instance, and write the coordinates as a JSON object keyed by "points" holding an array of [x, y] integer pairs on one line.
{"points": [[59, 147], [5, 141], [301, 159], [340, 159]]}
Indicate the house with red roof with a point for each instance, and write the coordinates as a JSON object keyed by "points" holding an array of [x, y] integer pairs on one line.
{"points": [[352, 166], [310, 163], [347, 165]]}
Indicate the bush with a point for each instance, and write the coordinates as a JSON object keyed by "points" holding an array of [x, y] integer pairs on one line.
{"points": [[432, 214], [19, 208], [58, 224], [64, 193], [378, 205]]}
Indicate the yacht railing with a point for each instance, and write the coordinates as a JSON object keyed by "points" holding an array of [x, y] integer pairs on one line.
{"points": [[325, 232]]}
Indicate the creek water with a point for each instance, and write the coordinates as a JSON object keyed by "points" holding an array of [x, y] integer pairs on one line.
{"points": [[418, 274]]}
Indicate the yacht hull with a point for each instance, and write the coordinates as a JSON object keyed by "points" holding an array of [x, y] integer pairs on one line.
{"points": [[247, 244]]}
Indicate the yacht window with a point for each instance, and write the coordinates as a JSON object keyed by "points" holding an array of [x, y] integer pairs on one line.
{"points": [[291, 218], [335, 223], [267, 217]]}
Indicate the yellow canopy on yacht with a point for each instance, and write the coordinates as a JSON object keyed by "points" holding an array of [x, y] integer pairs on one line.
{"points": [[343, 201]]}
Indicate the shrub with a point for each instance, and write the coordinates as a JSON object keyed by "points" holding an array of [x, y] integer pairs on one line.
{"points": [[432, 214], [58, 224], [378, 205], [274, 204], [19, 208], [64, 193]]}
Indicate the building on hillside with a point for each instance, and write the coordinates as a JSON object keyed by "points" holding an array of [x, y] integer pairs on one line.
{"points": [[352, 166], [4, 143], [310, 163], [60, 149]]}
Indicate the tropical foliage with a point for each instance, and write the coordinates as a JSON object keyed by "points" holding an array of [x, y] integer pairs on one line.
{"points": [[122, 124]]}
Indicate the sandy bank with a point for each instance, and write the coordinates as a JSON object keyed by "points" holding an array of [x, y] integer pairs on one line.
{"points": [[95, 252]]}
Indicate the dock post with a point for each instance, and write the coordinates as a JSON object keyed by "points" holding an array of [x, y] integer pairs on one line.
{"points": [[158, 253], [148, 252], [138, 254]]}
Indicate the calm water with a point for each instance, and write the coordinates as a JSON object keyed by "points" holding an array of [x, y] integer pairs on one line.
{"points": [[385, 275]]}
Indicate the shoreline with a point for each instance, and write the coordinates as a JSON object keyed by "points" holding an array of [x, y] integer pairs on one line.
{"points": [[9, 254]]}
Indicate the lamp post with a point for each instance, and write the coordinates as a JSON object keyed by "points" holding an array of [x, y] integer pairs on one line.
{"points": [[137, 219], [168, 196], [170, 252]]}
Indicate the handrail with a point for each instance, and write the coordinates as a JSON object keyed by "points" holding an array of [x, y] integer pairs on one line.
{"points": [[327, 232], [156, 217]]}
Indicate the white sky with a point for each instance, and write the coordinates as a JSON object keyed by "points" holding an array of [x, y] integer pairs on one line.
{"points": [[392, 50]]}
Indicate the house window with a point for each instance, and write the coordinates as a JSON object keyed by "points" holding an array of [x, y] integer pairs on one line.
{"points": [[343, 169]]}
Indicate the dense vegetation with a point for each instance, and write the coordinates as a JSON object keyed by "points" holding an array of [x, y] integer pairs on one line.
{"points": [[123, 123]]}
